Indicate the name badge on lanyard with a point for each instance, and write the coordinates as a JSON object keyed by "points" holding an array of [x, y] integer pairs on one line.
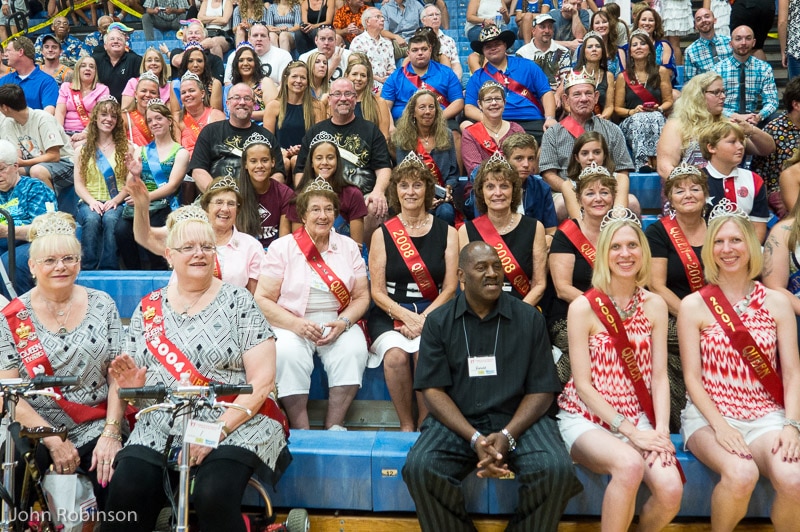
{"points": [[485, 366]]}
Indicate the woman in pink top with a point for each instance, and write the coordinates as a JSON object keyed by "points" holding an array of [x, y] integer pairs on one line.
{"points": [[153, 61], [77, 99]]}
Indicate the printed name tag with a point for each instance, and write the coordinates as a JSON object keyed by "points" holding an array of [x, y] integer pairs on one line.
{"points": [[482, 366], [203, 433]]}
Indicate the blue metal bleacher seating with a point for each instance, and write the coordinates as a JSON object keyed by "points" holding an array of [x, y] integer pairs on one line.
{"points": [[126, 287], [137, 36], [647, 189]]}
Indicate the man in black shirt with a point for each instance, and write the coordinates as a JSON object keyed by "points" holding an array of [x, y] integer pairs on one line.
{"points": [[218, 151], [488, 389], [115, 65]]}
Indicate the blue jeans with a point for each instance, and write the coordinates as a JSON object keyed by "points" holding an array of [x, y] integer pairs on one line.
{"points": [[23, 280], [794, 66], [446, 212], [98, 242]]}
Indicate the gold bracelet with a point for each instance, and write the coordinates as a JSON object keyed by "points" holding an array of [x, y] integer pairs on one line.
{"points": [[112, 435], [225, 430], [113, 422], [389, 311]]}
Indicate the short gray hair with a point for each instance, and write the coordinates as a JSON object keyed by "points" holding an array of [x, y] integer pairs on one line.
{"points": [[9, 154], [368, 14], [422, 13]]}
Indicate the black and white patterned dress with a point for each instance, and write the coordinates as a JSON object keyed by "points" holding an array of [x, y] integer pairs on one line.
{"points": [[214, 340], [85, 351]]}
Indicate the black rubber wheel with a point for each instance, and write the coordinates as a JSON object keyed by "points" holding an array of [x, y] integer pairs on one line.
{"points": [[297, 521]]}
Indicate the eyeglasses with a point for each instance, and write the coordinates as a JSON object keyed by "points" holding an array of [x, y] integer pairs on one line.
{"points": [[493, 99], [717, 93], [347, 94], [67, 260], [317, 211], [237, 98], [224, 203], [205, 249]]}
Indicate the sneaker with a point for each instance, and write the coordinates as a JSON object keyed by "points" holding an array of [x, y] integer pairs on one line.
{"points": [[337, 428]]}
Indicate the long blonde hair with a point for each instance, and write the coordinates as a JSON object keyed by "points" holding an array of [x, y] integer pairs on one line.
{"points": [[283, 94], [369, 104], [325, 85], [691, 110]]}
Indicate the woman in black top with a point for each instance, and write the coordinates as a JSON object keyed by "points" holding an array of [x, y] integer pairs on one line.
{"points": [[313, 14]]}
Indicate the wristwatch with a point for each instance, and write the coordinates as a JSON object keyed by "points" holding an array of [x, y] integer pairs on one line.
{"points": [[347, 322], [512, 443], [615, 424]]}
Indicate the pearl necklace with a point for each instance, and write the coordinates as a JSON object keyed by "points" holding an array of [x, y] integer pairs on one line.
{"points": [[508, 226], [418, 225]]}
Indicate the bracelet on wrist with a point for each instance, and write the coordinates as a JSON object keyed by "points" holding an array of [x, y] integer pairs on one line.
{"points": [[474, 439], [792, 423], [225, 429], [112, 435], [113, 422], [347, 322]]}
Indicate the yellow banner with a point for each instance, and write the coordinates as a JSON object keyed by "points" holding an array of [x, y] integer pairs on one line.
{"points": [[65, 12]]}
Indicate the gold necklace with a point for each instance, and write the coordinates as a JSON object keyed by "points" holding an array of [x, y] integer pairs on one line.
{"points": [[493, 132], [56, 314], [193, 303]]}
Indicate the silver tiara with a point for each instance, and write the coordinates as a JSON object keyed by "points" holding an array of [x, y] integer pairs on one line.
{"points": [[492, 85], [592, 34], [108, 98], [726, 208], [412, 159], [192, 76], [155, 101], [245, 44], [54, 224], [256, 138], [639, 31], [225, 182], [149, 76], [497, 159], [193, 45], [323, 136], [190, 212], [318, 185], [684, 169], [594, 169], [619, 214]]}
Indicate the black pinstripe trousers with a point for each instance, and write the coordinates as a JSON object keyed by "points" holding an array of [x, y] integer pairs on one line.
{"points": [[440, 460]]}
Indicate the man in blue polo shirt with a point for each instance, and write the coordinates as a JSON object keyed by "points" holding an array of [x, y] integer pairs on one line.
{"points": [[529, 100], [41, 90]]}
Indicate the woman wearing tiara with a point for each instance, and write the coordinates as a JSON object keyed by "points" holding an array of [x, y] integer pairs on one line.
{"points": [[77, 333], [738, 342], [246, 68], [413, 261], [217, 333], [196, 113], [675, 242], [325, 161], [519, 240], [152, 61], [194, 61], [313, 291], [163, 167], [136, 128], [482, 139], [614, 411], [100, 174], [572, 254], [422, 129]]}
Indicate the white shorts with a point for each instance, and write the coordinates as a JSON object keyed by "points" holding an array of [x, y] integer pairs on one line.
{"points": [[344, 360], [573, 426], [751, 429]]}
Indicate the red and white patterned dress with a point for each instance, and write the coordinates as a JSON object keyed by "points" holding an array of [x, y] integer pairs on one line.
{"points": [[608, 374], [727, 377]]}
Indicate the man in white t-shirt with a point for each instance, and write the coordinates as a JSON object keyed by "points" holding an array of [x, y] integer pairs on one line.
{"points": [[273, 58], [326, 45]]}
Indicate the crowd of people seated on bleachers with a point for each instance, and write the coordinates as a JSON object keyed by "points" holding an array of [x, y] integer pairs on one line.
{"points": [[348, 196]]}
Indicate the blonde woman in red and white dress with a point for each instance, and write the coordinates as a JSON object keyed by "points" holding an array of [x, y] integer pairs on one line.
{"points": [[614, 415], [740, 361]]}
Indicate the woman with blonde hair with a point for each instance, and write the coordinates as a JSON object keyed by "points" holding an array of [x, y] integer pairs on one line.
{"points": [[153, 61], [423, 130], [147, 90], [77, 99], [318, 80], [368, 106], [790, 181], [196, 113], [100, 174], [283, 20], [246, 14], [293, 112]]}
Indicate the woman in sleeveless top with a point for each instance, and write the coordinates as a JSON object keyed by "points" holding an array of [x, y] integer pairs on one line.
{"points": [[194, 61], [782, 259], [100, 174], [196, 114], [606, 26], [609, 424], [293, 112], [742, 419], [368, 106], [247, 69], [216, 15], [133, 118], [283, 20], [593, 58], [313, 14], [401, 304], [164, 163]]}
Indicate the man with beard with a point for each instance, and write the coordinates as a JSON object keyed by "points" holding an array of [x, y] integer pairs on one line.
{"points": [[362, 148], [552, 58], [708, 49], [218, 151], [51, 64], [488, 389]]}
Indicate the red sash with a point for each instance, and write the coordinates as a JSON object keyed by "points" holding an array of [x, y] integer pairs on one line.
{"points": [[192, 125], [418, 83], [176, 362], [514, 273], [77, 100], [691, 264], [573, 232], [481, 134], [639, 90], [429, 162], [604, 309], [141, 125], [741, 340], [515, 87], [217, 267], [337, 287], [419, 270], [572, 125], [33, 357]]}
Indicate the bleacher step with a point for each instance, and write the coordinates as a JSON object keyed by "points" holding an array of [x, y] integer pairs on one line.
{"points": [[362, 415]]}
